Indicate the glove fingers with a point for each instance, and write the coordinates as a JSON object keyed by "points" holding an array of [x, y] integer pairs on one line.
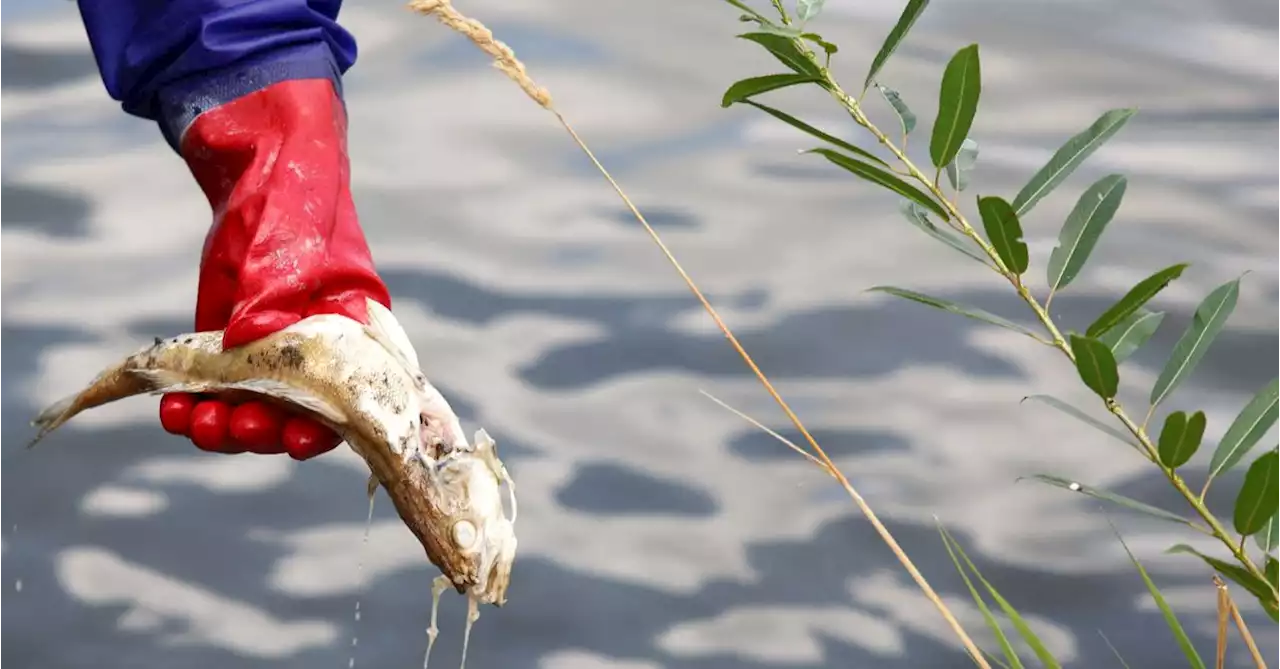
{"points": [[257, 426], [175, 413], [210, 427], [304, 438]]}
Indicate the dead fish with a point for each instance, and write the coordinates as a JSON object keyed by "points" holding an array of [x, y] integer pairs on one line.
{"points": [[365, 383]]}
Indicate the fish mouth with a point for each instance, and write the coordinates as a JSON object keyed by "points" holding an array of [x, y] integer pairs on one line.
{"points": [[480, 531], [492, 589], [500, 537]]}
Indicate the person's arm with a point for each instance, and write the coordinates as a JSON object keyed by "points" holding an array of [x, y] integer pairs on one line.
{"points": [[170, 60], [249, 94]]}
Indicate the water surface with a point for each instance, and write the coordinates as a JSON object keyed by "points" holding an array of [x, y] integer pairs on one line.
{"points": [[657, 530]]}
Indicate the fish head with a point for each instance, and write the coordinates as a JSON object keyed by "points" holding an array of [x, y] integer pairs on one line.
{"points": [[471, 538], [479, 527]]}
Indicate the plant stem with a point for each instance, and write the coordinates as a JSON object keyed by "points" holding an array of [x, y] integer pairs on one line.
{"points": [[514, 69], [747, 10], [1059, 342], [958, 218], [829, 466], [1224, 614], [1220, 532], [782, 12]]}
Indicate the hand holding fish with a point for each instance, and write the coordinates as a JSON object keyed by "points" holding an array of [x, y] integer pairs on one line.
{"points": [[295, 348], [365, 383], [285, 244]]}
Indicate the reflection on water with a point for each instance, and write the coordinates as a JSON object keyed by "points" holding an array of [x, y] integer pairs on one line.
{"points": [[657, 530]]}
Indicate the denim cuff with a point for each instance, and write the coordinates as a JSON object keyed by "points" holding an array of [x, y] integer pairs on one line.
{"points": [[182, 101]]}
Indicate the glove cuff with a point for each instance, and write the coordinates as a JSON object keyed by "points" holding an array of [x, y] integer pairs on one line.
{"points": [[286, 242], [184, 100]]}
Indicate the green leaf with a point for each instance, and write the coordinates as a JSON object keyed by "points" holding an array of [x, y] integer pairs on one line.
{"points": [[1096, 365], [1246, 430], [826, 46], [909, 15], [958, 170], [1254, 585], [1272, 610], [947, 305], [1128, 503], [1272, 571], [1209, 318], [906, 117], [1170, 619], [1134, 299], [1269, 538], [797, 123], [920, 218], [1134, 331], [745, 7], [994, 660], [1046, 658], [806, 10], [957, 105], [746, 88], [1004, 231], [1084, 226], [782, 31], [878, 176], [1083, 417], [1180, 438], [952, 547], [1068, 158], [785, 50], [1259, 494]]}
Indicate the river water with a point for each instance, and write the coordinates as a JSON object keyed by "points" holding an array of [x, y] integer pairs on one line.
{"points": [[657, 529]]}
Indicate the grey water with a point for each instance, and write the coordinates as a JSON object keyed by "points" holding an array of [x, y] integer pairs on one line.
{"points": [[657, 529]]}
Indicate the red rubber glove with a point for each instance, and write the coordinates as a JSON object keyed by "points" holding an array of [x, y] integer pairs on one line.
{"points": [[285, 244]]}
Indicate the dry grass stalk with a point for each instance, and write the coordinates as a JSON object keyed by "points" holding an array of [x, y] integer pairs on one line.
{"points": [[1224, 614], [503, 57], [506, 61], [1248, 637], [763, 428], [1224, 599]]}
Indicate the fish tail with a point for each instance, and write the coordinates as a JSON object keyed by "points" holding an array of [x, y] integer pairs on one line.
{"points": [[120, 382], [54, 415], [113, 384]]}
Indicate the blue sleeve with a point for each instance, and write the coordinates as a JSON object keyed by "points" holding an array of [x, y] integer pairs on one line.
{"points": [[170, 60]]}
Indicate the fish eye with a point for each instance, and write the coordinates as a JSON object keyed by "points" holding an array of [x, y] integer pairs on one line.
{"points": [[464, 534]]}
